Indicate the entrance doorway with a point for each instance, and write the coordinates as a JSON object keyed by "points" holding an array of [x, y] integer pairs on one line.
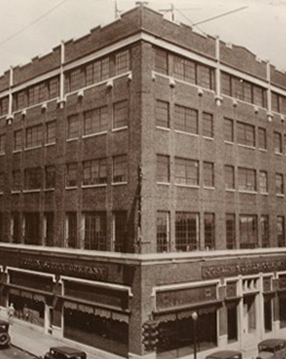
{"points": [[249, 314]]}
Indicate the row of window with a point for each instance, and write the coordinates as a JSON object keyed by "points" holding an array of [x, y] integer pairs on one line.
{"points": [[94, 121], [193, 72], [253, 232], [187, 172], [39, 229], [94, 172], [75, 79], [189, 120]]}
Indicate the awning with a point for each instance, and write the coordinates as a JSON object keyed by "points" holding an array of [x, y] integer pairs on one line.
{"points": [[120, 317]]}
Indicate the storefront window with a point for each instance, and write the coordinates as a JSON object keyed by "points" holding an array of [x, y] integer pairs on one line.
{"points": [[176, 337]]}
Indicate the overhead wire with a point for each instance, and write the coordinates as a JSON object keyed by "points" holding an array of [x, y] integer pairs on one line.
{"points": [[32, 23]]}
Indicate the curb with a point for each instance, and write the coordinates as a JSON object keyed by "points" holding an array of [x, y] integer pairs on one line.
{"points": [[24, 350]]}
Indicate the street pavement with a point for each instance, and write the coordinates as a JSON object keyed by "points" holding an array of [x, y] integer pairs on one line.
{"points": [[14, 353]]}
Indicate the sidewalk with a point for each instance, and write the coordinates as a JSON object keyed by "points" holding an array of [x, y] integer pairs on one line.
{"points": [[32, 340]]}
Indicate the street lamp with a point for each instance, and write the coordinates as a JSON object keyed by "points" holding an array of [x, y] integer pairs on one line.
{"points": [[195, 318]]}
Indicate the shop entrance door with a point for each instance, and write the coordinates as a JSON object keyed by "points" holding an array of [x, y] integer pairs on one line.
{"points": [[50, 320], [249, 319]]}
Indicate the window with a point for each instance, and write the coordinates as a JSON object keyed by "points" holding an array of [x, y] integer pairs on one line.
{"points": [[95, 121], [71, 175], [34, 136], [275, 103], [263, 182], [74, 79], [163, 231], [33, 178], [97, 71], [229, 177], [48, 228], [16, 227], [17, 146], [264, 230], [50, 177], [120, 234], [205, 76], [31, 228], [187, 231], [120, 169], [2, 182], [259, 96], [71, 229], [207, 125], [163, 169], [51, 132], [245, 134], [4, 106], [94, 172], [248, 231], [54, 87], [161, 61], [186, 119], [262, 142], [16, 180], [120, 114], [95, 231], [1, 227], [162, 114], [20, 100], [230, 231], [246, 179], [280, 229], [2, 143], [184, 69], [122, 62], [208, 174], [73, 127], [279, 183], [285, 144], [228, 130], [186, 172], [277, 142], [209, 230], [226, 84]]}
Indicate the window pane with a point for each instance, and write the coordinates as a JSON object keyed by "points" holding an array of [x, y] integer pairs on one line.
{"points": [[209, 230], [186, 119], [187, 231], [163, 169], [248, 231], [162, 114], [162, 231], [230, 231], [120, 169], [229, 177], [120, 114], [208, 174]]}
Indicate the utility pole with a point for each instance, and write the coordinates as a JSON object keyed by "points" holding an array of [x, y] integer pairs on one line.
{"points": [[171, 10]]}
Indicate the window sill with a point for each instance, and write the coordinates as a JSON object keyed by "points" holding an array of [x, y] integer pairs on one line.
{"points": [[119, 129], [279, 195], [31, 190], [187, 133], [278, 154], [229, 142], [2, 154], [71, 187], [95, 134], [247, 192], [264, 193], [208, 138], [50, 144], [15, 192], [17, 151], [230, 189], [72, 139], [164, 183], [262, 149], [167, 129], [49, 189], [207, 187], [32, 148], [118, 183], [187, 185], [246, 146], [94, 185]]}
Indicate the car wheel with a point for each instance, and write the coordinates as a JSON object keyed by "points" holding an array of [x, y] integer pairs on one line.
{"points": [[4, 339]]}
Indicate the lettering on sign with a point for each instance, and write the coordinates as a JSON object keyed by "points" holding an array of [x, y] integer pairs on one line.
{"points": [[228, 270], [183, 297], [55, 267]]}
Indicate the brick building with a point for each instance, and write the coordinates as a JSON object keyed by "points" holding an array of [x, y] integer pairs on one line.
{"points": [[142, 173]]}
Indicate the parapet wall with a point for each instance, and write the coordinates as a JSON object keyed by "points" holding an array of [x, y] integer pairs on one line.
{"points": [[152, 22]]}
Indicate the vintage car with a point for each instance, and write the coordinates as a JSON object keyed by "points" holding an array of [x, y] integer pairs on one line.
{"points": [[225, 354], [272, 348], [64, 352], [4, 333]]}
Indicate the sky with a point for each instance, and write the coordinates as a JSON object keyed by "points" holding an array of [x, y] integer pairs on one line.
{"points": [[29, 28]]}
